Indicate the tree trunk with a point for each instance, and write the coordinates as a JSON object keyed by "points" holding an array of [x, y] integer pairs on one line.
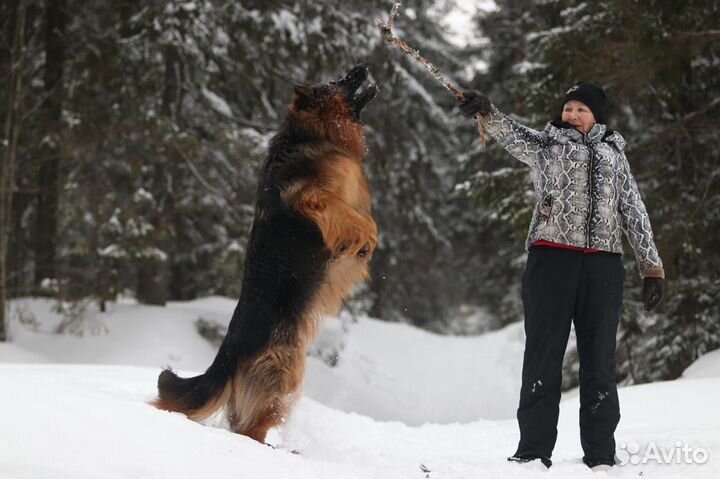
{"points": [[153, 285], [7, 167], [48, 175], [172, 93]]}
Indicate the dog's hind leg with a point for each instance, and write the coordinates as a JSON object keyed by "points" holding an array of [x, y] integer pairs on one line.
{"points": [[271, 416], [265, 389]]}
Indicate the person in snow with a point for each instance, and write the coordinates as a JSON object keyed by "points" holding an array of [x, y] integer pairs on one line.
{"points": [[586, 197]]}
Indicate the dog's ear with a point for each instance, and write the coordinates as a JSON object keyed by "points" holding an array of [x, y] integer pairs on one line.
{"points": [[303, 96], [304, 92]]}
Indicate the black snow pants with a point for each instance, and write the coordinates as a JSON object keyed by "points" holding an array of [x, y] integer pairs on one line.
{"points": [[560, 286]]}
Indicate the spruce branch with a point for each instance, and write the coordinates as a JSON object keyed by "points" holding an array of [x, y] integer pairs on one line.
{"points": [[389, 37]]}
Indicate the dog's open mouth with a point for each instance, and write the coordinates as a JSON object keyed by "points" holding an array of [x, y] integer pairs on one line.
{"points": [[363, 98], [352, 82]]}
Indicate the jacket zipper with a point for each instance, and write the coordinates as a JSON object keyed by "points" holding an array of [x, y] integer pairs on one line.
{"points": [[586, 142]]}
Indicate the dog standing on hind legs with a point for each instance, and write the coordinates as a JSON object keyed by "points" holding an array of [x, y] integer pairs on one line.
{"points": [[311, 241]]}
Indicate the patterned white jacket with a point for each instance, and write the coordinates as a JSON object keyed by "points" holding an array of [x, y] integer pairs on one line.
{"points": [[586, 194]]}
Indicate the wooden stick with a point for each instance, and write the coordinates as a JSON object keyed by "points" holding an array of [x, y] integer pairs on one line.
{"points": [[389, 37]]}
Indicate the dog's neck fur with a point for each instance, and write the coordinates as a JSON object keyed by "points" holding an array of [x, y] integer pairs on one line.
{"points": [[335, 125]]}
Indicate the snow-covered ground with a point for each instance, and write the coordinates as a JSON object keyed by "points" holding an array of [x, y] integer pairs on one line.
{"points": [[398, 401]]}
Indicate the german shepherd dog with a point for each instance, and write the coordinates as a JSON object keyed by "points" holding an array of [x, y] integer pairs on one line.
{"points": [[311, 241]]}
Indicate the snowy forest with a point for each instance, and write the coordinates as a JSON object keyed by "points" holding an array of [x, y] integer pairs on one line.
{"points": [[133, 132]]}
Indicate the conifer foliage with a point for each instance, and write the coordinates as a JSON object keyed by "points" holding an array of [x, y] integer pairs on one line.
{"points": [[155, 116], [164, 111]]}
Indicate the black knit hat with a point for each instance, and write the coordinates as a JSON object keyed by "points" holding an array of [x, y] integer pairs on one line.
{"points": [[592, 95]]}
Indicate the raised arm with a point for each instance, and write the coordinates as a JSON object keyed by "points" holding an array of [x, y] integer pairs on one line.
{"points": [[520, 141]]}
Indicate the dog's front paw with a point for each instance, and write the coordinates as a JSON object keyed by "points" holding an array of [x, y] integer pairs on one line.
{"points": [[369, 244], [368, 240], [365, 252], [359, 240]]}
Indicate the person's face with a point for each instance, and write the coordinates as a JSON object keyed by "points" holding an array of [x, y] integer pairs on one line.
{"points": [[578, 114]]}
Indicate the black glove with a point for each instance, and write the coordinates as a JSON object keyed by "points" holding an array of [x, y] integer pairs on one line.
{"points": [[474, 103], [652, 292]]}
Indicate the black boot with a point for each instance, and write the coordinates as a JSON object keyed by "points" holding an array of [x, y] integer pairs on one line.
{"points": [[525, 459]]}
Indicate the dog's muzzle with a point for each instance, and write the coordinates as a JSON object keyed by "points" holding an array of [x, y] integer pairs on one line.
{"points": [[352, 82]]}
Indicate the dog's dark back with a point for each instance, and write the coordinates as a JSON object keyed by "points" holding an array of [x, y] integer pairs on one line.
{"points": [[286, 256]]}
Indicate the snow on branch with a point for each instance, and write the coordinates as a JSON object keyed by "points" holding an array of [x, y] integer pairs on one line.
{"points": [[389, 37]]}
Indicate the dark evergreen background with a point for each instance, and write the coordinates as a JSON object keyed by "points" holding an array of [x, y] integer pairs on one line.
{"points": [[141, 125]]}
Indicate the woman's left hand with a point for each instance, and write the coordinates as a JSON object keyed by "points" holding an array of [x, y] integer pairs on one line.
{"points": [[652, 292]]}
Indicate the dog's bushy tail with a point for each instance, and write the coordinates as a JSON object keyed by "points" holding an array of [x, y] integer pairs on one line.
{"points": [[197, 397]]}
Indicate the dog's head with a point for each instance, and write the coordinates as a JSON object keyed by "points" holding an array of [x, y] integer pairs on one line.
{"points": [[332, 110]]}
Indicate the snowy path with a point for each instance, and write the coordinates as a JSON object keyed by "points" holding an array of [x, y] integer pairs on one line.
{"points": [[93, 422]]}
